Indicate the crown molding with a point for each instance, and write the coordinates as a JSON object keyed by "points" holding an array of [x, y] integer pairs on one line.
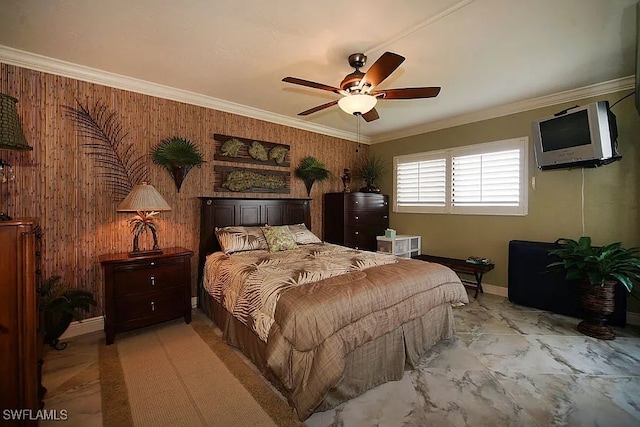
{"points": [[45, 64], [598, 89]]}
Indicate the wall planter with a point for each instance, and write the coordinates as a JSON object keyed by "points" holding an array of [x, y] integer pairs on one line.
{"points": [[178, 156], [311, 170]]}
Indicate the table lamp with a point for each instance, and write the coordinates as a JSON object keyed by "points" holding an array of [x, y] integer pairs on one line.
{"points": [[145, 200]]}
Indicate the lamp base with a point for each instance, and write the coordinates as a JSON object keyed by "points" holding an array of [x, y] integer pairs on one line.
{"points": [[135, 254]]}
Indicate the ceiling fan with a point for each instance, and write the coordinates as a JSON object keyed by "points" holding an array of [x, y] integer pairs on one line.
{"points": [[358, 88]]}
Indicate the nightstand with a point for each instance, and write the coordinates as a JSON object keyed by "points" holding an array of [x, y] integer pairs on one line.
{"points": [[145, 290]]}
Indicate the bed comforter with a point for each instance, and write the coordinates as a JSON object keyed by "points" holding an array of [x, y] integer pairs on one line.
{"points": [[350, 298]]}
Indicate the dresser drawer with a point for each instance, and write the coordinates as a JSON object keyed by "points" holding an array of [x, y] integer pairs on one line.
{"points": [[367, 217], [363, 201], [140, 278], [156, 306], [361, 237]]}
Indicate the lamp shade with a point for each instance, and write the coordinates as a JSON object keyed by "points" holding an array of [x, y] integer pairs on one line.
{"points": [[143, 198], [357, 104], [11, 135]]}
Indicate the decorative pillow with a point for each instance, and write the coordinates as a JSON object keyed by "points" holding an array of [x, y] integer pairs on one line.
{"points": [[302, 235], [239, 238], [279, 238]]}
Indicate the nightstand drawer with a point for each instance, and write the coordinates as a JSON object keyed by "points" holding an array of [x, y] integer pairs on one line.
{"points": [[131, 280], [156, 306]]}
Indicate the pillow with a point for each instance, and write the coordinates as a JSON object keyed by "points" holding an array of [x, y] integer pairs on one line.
{"points": [[302, 235], [279, 238], [239, 238]]}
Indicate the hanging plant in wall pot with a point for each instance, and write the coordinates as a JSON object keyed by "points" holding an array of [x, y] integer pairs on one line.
{"points": [[178, 156], [311, 170]]}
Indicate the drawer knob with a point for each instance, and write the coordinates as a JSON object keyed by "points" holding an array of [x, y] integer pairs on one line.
{"points": [[357, 202], [153, 306], [357, 232], [153, 281], [357, 218], [153, 263], [385, 216]]}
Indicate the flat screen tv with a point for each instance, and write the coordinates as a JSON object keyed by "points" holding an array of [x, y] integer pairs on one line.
{"points": [[578, 137]]}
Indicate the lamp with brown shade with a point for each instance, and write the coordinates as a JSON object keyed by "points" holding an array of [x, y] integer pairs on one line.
{"points": [[145, 200]]}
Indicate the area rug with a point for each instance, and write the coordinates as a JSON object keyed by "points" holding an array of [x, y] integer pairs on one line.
{"points": [[176, 374]]}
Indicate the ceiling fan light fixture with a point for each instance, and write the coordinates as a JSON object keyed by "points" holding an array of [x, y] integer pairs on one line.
{"points": [[357, 104]]}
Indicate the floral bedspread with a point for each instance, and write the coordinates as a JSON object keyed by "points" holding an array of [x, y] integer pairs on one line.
{"points": [[249, 284]]}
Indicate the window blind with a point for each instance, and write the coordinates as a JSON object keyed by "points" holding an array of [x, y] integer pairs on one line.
{"points": [[489, 179], [480, 179], [421, 183]]}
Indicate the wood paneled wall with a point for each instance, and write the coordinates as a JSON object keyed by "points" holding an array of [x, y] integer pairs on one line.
{"points": [[57, 182]]}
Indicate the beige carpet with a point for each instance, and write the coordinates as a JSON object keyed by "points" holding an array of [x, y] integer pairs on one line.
{"points": [[176, 374]]}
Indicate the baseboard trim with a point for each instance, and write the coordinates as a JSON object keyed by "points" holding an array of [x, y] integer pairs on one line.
{"points": [[632, 318], [82, 327], [94, 324], [495, 290]]}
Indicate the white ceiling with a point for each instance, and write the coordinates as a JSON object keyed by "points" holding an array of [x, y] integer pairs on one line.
{"points": [[483, 53]]}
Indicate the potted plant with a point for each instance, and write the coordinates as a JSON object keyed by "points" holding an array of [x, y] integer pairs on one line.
{"points": [[311, 170], [178, 156], [59, 305], [371, 169], [598, 269]]}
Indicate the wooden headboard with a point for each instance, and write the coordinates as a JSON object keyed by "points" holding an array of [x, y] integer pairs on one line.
{"points": [[224, 211]]}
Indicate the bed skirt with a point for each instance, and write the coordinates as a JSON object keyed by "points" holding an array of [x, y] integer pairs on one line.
{"points": [[376, 362]]}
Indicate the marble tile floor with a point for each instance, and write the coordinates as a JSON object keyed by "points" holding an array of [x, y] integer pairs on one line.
{"points": [[507, 365]]}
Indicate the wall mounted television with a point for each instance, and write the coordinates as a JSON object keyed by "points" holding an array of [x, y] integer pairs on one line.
{"points": [[583, 136]]}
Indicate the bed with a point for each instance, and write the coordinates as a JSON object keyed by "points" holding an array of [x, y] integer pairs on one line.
{"points": [[324, 337]]}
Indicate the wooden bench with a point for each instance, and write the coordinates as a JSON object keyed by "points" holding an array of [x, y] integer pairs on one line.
{"points": [[461, 266]]}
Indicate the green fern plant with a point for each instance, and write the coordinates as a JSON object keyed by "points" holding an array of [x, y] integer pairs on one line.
{"points": [[371, 169], [178, 156], [60, 304]]}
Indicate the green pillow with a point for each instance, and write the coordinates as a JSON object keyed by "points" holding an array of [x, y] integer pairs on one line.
{"points": [[279, 238]]}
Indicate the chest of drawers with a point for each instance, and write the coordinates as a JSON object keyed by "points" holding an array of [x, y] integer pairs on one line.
{"points": [[20, 332], [146, 290], [355, 219]]}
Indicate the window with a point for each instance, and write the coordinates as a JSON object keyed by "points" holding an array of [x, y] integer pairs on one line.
{"points": [[480, 179]]}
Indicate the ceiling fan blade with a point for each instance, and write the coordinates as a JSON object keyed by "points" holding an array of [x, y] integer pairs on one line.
{"points": [[318, 108], [297, 81], [382, 68], [371, 115], [408, 93]]}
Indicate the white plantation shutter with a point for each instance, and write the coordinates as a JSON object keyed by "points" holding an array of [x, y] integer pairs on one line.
{"points": [[482, 179], [422, 183], [491, 179]]}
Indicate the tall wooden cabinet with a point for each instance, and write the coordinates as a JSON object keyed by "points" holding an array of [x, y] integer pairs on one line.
{"points": [[20, 338], [355, 219]]}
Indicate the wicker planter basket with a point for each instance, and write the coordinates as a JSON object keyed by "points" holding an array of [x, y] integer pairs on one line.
{"points": [[598, 302]]}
